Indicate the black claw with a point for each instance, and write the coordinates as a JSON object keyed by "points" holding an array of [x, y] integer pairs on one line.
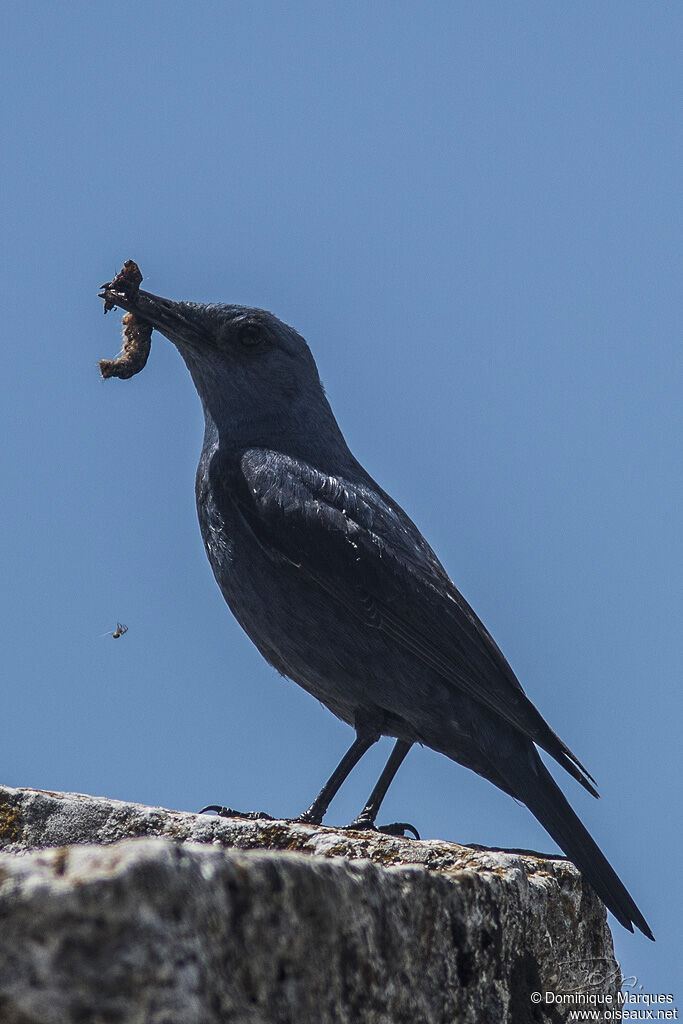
{"points": [[230, 812], [399, 828]]}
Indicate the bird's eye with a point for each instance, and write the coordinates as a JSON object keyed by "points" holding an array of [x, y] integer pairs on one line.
{"points": [[250, 335]]}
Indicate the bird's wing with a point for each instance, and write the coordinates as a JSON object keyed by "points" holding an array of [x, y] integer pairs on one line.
{"points": [[357, 544]]}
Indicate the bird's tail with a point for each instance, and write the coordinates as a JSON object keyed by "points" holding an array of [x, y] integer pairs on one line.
{"points": [[535, 786]]}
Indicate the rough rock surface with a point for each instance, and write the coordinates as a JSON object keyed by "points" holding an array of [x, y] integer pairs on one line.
{"points": [[208, 920]]}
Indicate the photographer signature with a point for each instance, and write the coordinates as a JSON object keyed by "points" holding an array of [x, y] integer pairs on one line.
{"points": [[591, 974]]}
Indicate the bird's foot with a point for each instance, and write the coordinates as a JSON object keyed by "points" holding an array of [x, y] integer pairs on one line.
{"points": [[229, 812], [359, 824], [307, 818], [397, 828]]}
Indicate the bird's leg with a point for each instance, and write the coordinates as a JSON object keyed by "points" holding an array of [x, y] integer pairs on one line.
{"points": [[362, 743], [367, 733], [366, 818]]}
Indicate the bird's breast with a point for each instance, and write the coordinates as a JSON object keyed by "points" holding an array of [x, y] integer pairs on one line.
{"points": [[294, 624]]}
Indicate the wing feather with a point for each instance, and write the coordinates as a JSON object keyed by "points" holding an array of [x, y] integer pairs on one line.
{"points": [[358, 545]]}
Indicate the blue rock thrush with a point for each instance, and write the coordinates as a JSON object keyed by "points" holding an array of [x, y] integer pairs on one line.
{"points": [[336, 586]]}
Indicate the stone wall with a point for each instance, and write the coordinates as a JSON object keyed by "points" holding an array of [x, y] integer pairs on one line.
{"points": [[117, 913]]}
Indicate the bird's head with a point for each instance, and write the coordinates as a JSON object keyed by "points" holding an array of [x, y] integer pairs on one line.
{"points": [[255, 375]]}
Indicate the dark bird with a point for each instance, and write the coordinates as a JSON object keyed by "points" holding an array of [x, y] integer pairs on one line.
{"points": [[338, 589]]}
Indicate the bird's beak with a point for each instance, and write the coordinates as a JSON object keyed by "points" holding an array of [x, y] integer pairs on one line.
{"points": [[170, 318]]}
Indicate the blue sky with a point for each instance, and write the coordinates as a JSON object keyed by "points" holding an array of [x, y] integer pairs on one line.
{"points": [[472, 213]]}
